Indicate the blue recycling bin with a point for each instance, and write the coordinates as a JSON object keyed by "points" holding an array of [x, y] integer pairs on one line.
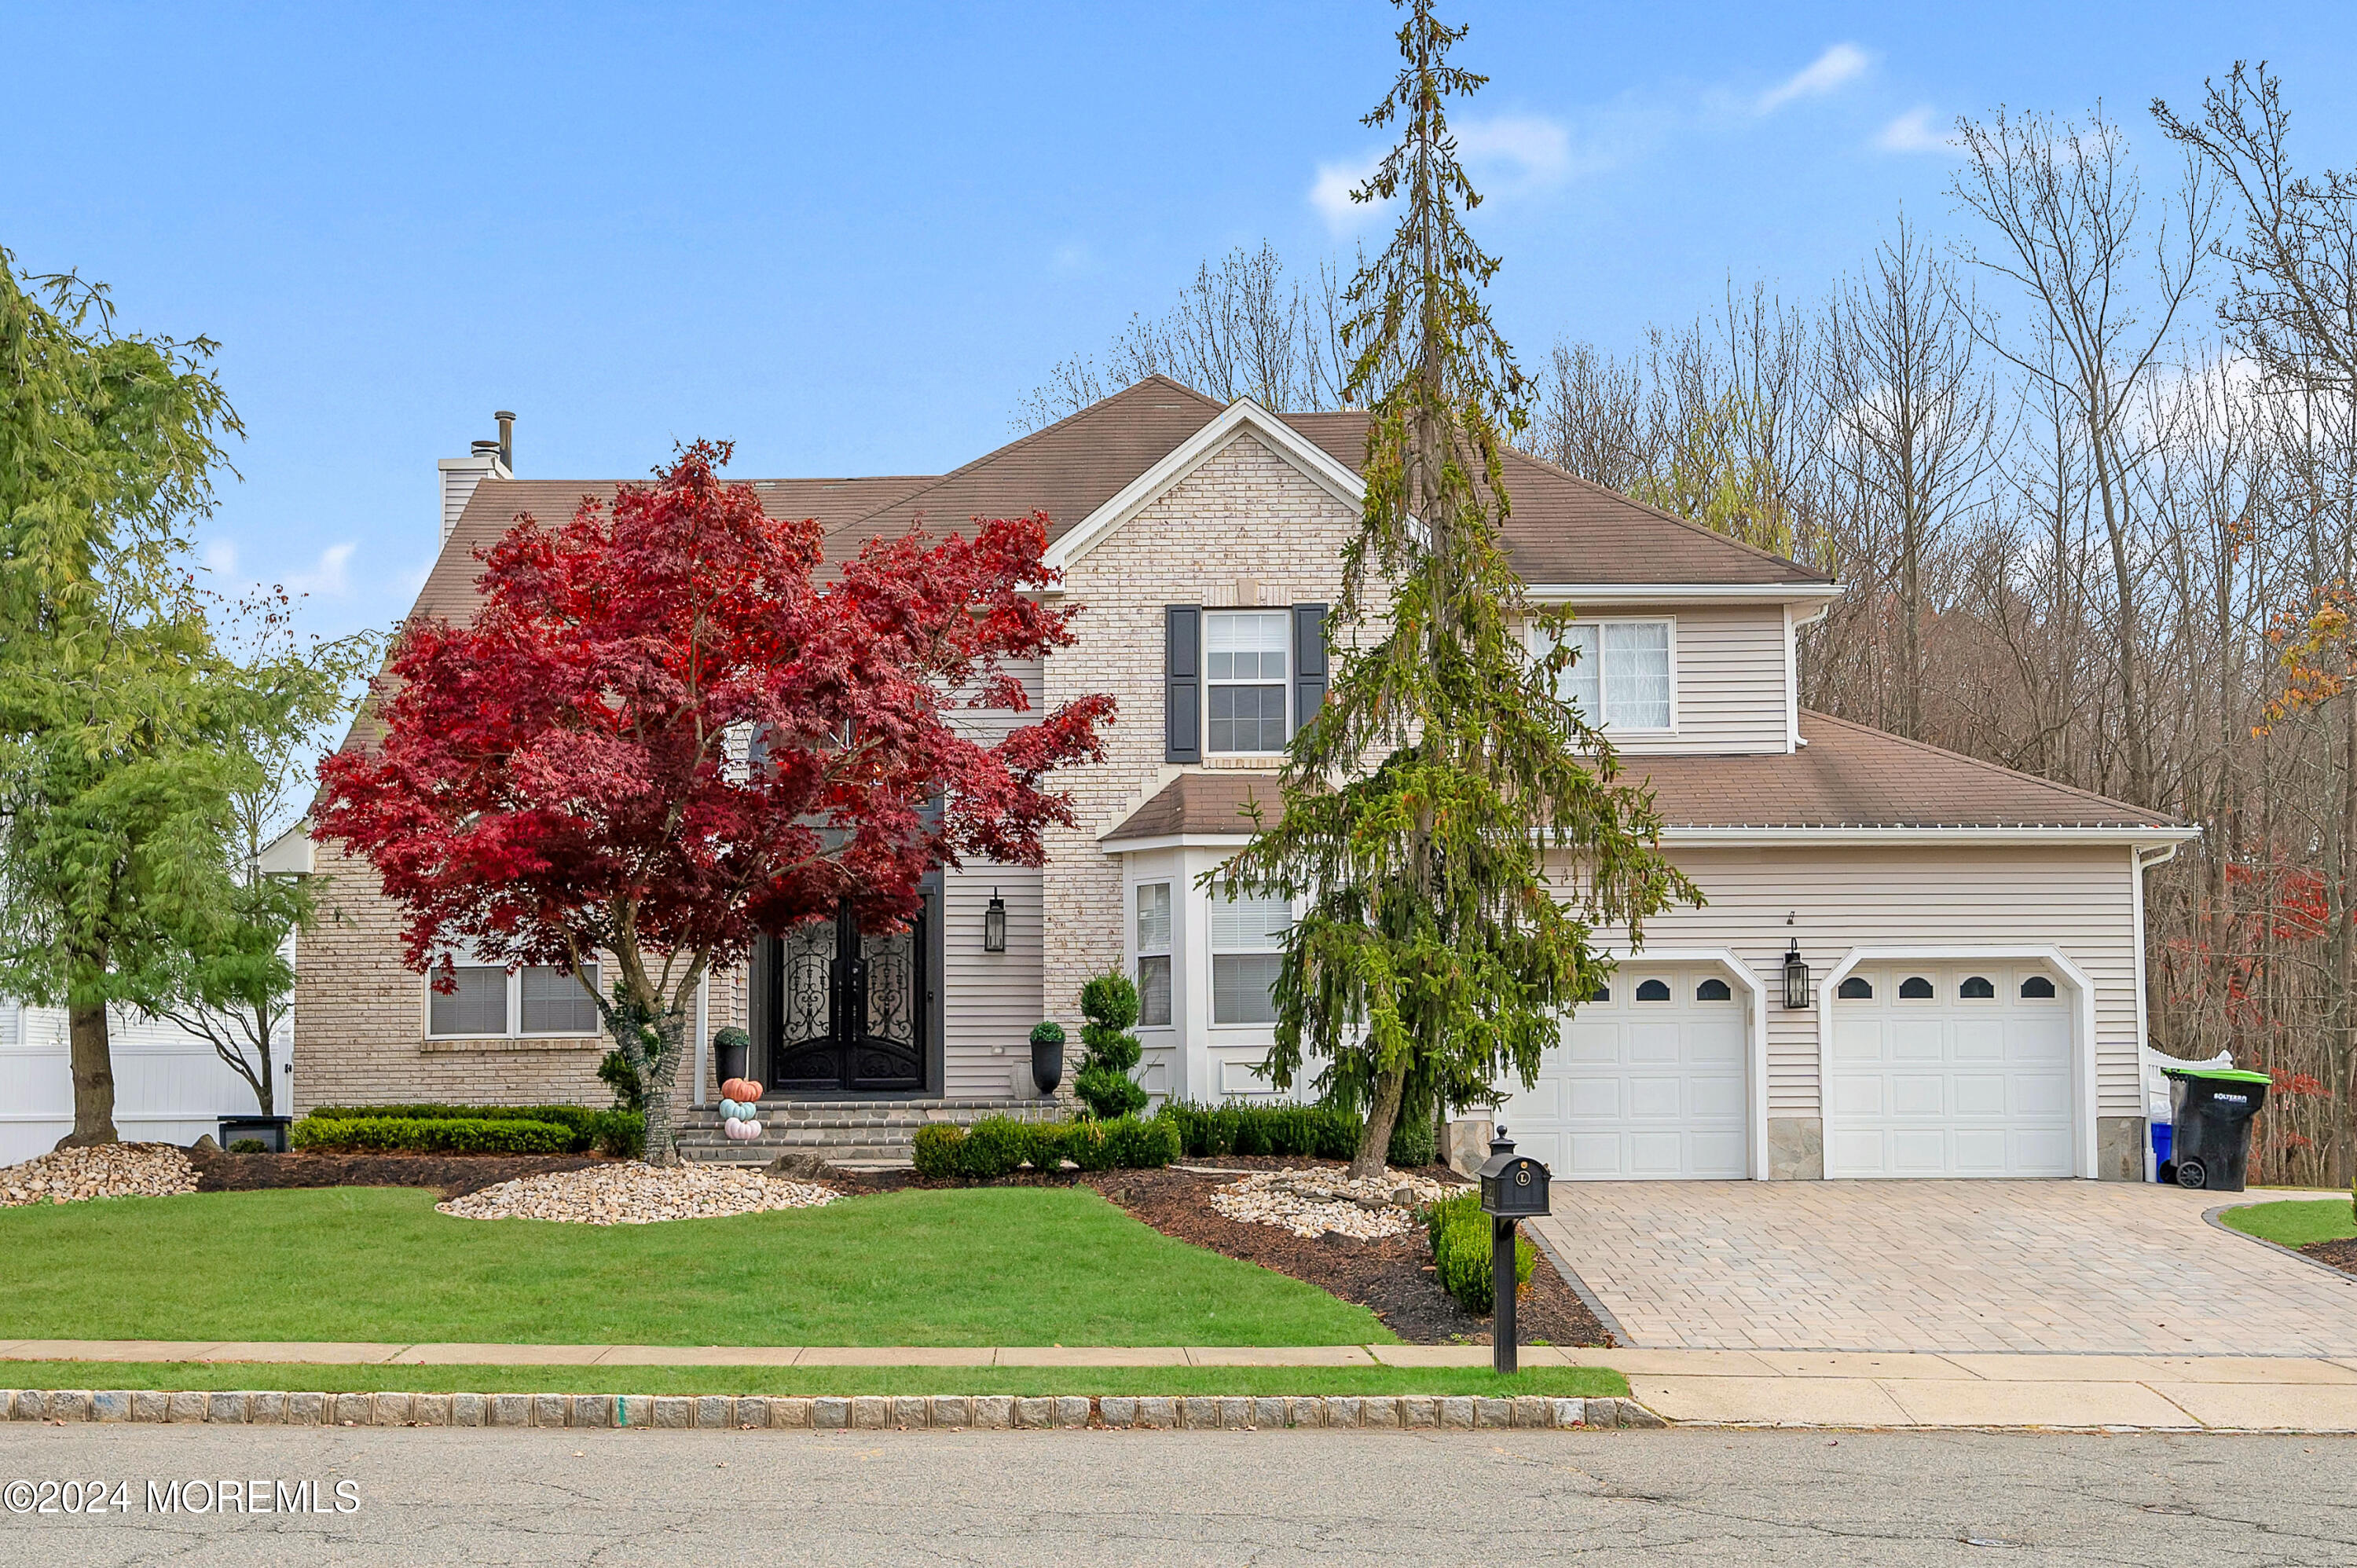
{"points": [[2163, 1136]]}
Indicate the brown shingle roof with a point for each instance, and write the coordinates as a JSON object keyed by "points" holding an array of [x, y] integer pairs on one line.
{"points": [[1846, 777], [1565, 529]]}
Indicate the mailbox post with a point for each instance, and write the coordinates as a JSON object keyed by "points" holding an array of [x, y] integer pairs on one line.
{"points": [[1513, 1187]]}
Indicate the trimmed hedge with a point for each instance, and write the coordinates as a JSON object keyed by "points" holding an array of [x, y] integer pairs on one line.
{"points": [[1461, 1244], [448, 1136], [622, 1134], [995, 1146], [1304, 1131]]}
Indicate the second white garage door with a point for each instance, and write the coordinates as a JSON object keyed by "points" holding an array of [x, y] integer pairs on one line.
{"points": [[1648, 1083], [1949, 1071]]}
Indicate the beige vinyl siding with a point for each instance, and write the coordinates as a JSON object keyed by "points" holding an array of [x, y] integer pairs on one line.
{"points": [[989, 1001], [989, 726], [2079, 900], [1729, 666]]}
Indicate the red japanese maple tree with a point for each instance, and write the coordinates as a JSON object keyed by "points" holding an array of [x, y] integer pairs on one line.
{"points": [[663, 735]]}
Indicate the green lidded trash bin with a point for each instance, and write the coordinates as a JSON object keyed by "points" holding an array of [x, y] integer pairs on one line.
{"points": [[2213, 1106]]}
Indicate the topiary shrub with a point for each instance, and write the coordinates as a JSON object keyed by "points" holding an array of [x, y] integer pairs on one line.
{"points": [[1460, 1239], [939, 1150], [993, 1146], [1109, 1003], [249, 1147]]}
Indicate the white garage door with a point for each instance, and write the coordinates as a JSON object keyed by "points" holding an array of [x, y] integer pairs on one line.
{"points": [[1949, 1071], [1648, 1082]]}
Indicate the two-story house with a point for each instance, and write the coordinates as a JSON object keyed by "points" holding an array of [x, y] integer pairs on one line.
{"points": [[1910, 962]]}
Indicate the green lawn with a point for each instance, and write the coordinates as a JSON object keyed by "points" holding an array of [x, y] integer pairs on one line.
{"points": [[977, 1266], [2296, 1222], [1560, 1382]]}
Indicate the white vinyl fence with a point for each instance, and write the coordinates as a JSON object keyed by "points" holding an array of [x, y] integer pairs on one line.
{"points": [[170, 1087]]}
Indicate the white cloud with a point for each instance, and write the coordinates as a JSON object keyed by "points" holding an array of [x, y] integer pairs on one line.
{"points": [[1330, 193], [1838, 64], [220, 558], [1525, 149], [330, 579], [1913, 133]]}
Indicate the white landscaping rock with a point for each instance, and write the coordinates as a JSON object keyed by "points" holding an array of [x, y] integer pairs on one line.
{"points": [[637, 1193], [1312, 1202], [102, 1170]]}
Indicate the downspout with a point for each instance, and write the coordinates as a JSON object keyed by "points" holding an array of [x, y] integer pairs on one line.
{"points": [[2142, 861], [702, 1036]]}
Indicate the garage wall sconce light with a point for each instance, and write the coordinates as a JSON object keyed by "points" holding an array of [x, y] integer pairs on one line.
{"points": [[1796, 978], [993, 924]]}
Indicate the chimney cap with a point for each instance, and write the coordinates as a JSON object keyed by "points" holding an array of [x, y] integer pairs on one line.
{"points": [[503, 414], [487, 449]]}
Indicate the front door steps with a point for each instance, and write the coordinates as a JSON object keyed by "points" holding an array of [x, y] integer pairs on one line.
{"points": [[841, 1129]]}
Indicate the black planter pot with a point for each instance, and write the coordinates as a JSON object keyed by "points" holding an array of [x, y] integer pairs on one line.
{"points": [[1047, 1065], [729, 1058], [270, 1130]]}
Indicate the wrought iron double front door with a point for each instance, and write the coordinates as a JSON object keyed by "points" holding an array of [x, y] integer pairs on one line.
{"points": [[847, 1007]]}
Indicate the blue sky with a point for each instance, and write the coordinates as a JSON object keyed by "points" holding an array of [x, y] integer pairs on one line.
{"points": [[852, 237]]}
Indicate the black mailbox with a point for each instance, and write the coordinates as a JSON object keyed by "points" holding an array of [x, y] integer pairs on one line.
{"points": [[1513, 1187]]}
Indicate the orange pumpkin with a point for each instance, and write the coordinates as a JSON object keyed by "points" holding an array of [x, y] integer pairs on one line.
{"points": [[743, 1091]]}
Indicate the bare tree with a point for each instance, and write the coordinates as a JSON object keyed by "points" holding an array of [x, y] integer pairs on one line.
{"points": [[1913, 423], [1240, 329], [2065, 202]]}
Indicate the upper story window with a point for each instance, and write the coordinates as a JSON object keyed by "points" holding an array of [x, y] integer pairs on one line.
{"points": [[1247, 948], [1153, 954], [1246, 655], [491, 1002], [1621, 678]]}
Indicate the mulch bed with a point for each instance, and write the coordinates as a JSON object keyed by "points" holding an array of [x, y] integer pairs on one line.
{"points": [[1392, 1277], [2341, 1255], [452, 1175]]}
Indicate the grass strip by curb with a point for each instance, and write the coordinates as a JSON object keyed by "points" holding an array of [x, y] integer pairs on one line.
{"points": [[815, 1382]]}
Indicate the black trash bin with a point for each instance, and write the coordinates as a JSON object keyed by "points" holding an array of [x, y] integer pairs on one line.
{"points": [[2213, 1106]]}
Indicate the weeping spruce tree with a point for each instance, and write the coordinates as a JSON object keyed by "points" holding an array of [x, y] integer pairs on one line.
{"points": [[1452, 833]]}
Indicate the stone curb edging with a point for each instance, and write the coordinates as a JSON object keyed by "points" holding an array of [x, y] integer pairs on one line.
{"points": [[948, 1412]]}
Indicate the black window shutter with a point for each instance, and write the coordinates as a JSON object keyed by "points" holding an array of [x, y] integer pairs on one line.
{"points": [[1182, 683], [1309, 661]]}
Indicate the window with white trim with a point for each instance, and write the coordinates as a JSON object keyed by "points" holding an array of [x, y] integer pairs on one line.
{"points": [[1620, 680], [490, 1002], [1247, 948], [1153, 955], [1247, 665]]}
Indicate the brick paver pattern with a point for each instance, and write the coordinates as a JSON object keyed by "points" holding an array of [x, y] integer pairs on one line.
{"points": [[2066, 1266]]}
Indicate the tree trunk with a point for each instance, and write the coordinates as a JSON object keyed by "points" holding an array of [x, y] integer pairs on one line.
{"points": [[663, 1137], [1375, 1137], [93, 1080]]}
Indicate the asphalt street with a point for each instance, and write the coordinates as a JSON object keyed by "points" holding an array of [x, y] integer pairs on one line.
{"points": [[1106, 1499]]}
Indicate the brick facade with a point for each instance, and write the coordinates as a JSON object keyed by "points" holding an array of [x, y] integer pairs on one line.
{"points": [[1245, 528], [360, 1035]]}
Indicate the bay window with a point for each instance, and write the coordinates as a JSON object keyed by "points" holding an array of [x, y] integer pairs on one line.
{"points": [[1247, 948], [1154, 954]]}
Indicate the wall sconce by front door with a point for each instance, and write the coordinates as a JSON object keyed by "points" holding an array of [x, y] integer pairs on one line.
{"points": [[993, 924], [1796, 978]]}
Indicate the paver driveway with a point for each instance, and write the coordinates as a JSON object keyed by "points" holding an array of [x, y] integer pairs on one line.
{"points": [[2081, 1266]]}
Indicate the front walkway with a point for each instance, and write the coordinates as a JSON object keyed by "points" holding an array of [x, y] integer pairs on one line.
{"points": [[2072, 1267]]}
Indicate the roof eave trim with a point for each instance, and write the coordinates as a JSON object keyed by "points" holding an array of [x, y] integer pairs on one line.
{"points": [[1174, 841], [1659, 593], [1861, 834], [1189, 454]]}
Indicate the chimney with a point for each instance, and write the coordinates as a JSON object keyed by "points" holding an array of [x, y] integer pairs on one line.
{"points": [[485, 460], [507, 440]]}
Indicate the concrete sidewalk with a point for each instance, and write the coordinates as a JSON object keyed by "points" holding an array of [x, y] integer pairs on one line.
{"points": [[1747, 1387]]}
